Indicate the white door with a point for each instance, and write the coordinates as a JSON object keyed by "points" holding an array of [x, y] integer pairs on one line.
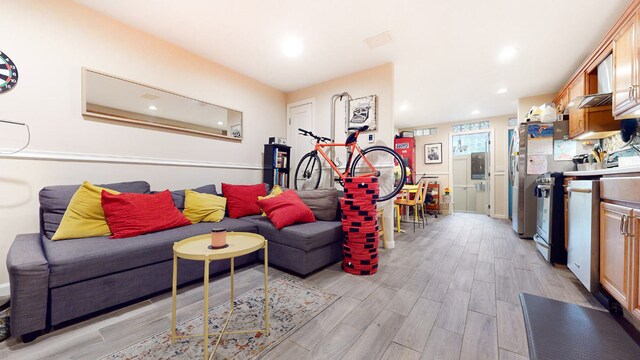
{"points": [[300, 116], [460, 175]]}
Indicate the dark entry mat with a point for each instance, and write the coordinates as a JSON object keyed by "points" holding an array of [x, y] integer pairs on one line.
{"points": [[558, 330]]}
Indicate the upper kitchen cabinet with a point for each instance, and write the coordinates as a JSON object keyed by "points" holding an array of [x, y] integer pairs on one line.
{"points": [[561, 101], [576, 116], [625, 79], [593, 120], [606, 86]]}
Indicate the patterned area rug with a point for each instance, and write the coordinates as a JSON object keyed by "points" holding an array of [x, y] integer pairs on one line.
{"points": [[292, 303]]}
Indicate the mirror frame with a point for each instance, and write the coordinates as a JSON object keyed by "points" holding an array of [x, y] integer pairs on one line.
{"points": [[90, 114]]}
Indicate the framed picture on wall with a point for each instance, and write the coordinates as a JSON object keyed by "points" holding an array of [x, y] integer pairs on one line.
{"points": [[433, 153], [236, 131], [363, 112]]}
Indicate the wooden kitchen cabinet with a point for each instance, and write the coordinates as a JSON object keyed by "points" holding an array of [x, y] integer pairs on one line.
{"points": [[576, 116], [615, 251], [561, 101], [625, 78], [634, 228]]}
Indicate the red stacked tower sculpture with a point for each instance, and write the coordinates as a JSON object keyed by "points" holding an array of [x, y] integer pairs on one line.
{"points": [[360, 225]]}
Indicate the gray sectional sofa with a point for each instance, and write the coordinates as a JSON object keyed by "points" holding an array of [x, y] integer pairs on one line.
{"points": [[53, 282]]}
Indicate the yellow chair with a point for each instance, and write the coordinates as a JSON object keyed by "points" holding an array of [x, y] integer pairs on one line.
{"points": [[380, 213], [417, 203], [396, 210]]}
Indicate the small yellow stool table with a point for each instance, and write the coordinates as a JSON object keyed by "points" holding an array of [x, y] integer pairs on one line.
{"points": [[196, 248]]}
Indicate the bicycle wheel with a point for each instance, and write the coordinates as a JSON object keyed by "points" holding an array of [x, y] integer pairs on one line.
{"points": [[308, 172], [385, 161]]}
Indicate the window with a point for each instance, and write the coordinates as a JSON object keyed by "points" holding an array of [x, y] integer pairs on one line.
{"points": [[470, 143], [425, 132], [480, 125]]}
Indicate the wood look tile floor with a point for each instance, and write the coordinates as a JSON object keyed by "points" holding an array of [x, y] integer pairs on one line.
{"points": [[449, 291]]}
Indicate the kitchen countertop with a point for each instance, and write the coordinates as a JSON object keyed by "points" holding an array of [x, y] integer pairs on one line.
{"points": [[610, 171]]}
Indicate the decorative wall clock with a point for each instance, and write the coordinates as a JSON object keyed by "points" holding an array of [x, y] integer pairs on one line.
{"points": [[8, 73]]}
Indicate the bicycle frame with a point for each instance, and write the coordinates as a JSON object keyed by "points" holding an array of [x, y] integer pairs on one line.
{"points": [[351, 148]]}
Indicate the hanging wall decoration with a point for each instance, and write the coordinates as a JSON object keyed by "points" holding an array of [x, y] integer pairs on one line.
{"points": [[363, 111], [433, 153], [8, 73]]}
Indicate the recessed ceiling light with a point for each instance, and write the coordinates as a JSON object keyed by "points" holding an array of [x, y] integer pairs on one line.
{"points": [[507, 54], [292, 46], [151, 107], [475, 112], [502, 91], [220, 123]]}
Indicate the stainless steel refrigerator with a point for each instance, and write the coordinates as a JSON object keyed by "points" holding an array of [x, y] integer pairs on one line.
{"points": [[522, 154]]}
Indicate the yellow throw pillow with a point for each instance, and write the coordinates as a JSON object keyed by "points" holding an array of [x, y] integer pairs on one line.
{"points": [[277, 190], [84, 216], [203, 207]]}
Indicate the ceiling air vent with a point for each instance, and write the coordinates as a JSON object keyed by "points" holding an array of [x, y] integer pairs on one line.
{"points": [[150, 96], [378, 40]]}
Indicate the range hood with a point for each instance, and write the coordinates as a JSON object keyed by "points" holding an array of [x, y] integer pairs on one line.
{"points": [[604, 96], [594, 100]]}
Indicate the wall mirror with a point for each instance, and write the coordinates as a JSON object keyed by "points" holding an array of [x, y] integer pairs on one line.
{"points": [[110, 97]]}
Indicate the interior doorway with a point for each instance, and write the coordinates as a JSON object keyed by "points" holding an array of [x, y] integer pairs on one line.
{"points": [[471, 161], [299, 115]]}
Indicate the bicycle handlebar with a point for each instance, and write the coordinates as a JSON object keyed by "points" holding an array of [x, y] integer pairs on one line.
{"points": [[309, 133]]}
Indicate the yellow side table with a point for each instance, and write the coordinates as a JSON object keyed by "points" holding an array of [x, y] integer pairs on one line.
{"points": [[196, 248]]}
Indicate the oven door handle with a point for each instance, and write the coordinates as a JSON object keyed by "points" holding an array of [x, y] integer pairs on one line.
{"points": [[544, 187], [539, 240], [584, 191]]}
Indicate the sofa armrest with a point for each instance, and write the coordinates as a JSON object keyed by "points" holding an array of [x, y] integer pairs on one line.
{"points": [[29, 281]]}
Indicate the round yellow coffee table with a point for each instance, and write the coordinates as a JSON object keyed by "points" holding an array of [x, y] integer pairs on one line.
{"points": [[196, 248]]}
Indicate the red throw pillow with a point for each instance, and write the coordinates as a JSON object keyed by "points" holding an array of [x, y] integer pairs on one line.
{"points": [[130, 214], [286, 209], [241, 199]]}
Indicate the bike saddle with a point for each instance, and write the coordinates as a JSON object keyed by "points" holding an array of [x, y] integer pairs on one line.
{"points": [[359, 128]]}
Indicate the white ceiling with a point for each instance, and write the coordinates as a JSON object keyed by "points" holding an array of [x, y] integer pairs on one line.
{"points": [[445, 52]]}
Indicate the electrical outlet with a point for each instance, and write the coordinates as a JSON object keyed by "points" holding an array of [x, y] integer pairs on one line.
{"points": [[371, 138]]}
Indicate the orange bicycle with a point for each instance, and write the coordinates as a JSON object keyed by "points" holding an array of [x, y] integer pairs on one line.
{"points": [[379, 161]]}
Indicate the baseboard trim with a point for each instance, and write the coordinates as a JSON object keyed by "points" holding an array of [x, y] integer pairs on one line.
{"points": [[115, 159], [4, 289]]}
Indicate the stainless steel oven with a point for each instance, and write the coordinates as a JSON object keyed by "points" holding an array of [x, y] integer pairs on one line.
{"points": [[549, 235]]}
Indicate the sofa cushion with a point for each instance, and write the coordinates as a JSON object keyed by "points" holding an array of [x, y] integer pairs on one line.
{"points": [[277, 190], [179, 195], [305, 237], [322, 202], [54, 201], [286, 209], [80, 259], [203, 207], [130, 215], [241, 199], [84, 216]]}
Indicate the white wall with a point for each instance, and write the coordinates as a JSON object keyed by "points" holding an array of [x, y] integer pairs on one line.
{"points": [[376, 81], [50, 42]]}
